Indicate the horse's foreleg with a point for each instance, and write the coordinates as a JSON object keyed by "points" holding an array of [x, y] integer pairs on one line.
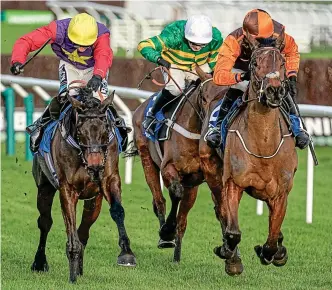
{"points": [[187, 202], [152, 177], [273, 245], [74, 247], [90, 214], [211, 165], [113, 197], [168, 230], [44, 204], [230, 199]]}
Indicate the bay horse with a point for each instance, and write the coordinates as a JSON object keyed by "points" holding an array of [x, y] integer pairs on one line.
{"points": [[259, 158], [179, 165], [87, 172]]}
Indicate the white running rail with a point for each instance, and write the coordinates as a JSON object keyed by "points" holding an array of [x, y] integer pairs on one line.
{"points": [[41, 85]]}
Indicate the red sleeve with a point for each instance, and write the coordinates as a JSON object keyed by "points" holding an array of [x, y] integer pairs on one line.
{"points": [[103, 55], [32, 41]]}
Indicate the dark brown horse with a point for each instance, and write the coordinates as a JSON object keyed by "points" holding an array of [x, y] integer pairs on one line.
{"points": [[179, 164], [88, 172], [260, 158]]}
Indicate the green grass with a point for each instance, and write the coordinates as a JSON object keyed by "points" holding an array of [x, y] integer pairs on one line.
{"points": [[309, 246], [10, 33]]}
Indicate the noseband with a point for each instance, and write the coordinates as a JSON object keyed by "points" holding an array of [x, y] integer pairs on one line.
{"points": [[274, 74], [94, 148]]}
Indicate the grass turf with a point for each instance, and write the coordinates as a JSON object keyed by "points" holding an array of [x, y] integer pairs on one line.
{"points": [[309, 265]]}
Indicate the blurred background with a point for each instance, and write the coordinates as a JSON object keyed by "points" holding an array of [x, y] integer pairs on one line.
{"points": [[309, 22]]}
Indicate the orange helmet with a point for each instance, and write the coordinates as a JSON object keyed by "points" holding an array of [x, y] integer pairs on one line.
{"points": [[258, 23]]}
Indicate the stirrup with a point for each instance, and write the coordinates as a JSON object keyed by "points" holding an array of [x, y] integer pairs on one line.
{"points": [[215, 141]]}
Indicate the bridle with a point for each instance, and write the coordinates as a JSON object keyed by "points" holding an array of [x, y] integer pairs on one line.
{"points": [[94, 148], [90, 148], [261, 83]]}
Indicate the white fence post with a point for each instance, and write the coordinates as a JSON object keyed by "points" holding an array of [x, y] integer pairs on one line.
{"points": [[259, 207], [310, 188], [128, 114]]}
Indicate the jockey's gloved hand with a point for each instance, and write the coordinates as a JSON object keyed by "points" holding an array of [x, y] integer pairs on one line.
{"points": [[16, 68], [163, 62], [292, 86], [245, 76], [95, 82]]}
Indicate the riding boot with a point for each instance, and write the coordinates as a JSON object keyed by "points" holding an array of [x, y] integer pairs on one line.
{"points": [[213, 136], [162, 99], [36, 130], [123, 129], [302, 138]]}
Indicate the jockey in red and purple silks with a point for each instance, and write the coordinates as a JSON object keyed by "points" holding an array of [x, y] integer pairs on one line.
{"points": [[83, 46]]}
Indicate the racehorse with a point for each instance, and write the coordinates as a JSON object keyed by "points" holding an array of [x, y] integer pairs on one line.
{"points": [[178, 161], [87, 171], [259, 158]]}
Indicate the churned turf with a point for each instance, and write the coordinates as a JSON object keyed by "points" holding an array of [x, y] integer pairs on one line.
{"points": [[309, 246]]}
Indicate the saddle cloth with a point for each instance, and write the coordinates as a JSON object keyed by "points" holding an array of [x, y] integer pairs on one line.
{"points": [[168, 112], [294, 121]]}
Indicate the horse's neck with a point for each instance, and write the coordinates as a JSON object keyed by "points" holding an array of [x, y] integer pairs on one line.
{"points": [[188, 117], [263, 124]]}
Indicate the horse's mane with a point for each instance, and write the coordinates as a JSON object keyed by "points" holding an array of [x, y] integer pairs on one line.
{"points": [[88, 100]]}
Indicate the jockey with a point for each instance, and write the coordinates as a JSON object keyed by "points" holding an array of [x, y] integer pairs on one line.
{"points": [[232, 68], [83, 46], [180, 47]]}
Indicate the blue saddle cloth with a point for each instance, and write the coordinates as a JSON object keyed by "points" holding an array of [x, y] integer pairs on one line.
{"points": [[45, 144], [160, 117], [234, 110]]}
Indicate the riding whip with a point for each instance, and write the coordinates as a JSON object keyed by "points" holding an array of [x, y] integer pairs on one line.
{"points": [[38, 51], [311, 147]]}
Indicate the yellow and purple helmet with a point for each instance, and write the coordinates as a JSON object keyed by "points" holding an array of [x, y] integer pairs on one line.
{"points": [[83, 29]]}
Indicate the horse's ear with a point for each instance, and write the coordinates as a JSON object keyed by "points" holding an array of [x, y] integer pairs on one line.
{"points": [[108, 101], [279, 41], [76, 104], [253, 43]]}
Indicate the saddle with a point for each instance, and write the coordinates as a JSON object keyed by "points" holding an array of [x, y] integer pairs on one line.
{"points": [[166, 117]]}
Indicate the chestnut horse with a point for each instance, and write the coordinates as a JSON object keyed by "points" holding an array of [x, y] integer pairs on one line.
{"points": [[179, 165], [88, 172], [259, 158]]}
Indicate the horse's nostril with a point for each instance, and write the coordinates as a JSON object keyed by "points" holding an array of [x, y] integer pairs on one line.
{"points": [[270, 91], [281, 91]]}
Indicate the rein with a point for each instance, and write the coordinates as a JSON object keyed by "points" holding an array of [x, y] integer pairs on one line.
{"points": [[271, 75], [163, 69], [92, 148], [262, 83]]}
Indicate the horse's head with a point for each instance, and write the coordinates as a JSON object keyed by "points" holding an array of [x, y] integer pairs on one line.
{"points": [[268, 73], [92, 133]]}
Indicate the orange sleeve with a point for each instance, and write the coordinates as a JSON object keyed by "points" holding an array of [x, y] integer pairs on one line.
{"points": [[292, 56], [228, 53]]}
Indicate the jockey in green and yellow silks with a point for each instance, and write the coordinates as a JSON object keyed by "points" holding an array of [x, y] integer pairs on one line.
{"points": [[180, 47]]}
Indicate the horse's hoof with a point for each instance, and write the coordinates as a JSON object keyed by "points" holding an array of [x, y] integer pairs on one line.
{"points": [[167, 232], [127, 260], [223, 252], [40, 267], [166, 244], [72, 280], [259, 253], [233, 266], [281, 257]]}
